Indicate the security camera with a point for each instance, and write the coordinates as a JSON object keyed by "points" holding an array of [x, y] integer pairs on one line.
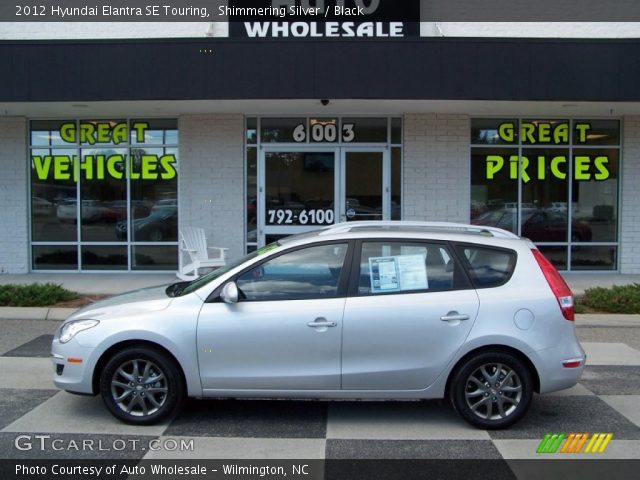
{"points": [[324, 101]]}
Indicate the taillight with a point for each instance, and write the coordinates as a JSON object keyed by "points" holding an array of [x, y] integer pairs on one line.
{"points": [[558, 286]]}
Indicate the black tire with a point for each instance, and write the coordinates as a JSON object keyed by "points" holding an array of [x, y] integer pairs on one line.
{"points": [[494, 405], [138, 399]]}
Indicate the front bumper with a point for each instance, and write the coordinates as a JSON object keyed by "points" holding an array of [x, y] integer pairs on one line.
{"points": [[73, 366]]}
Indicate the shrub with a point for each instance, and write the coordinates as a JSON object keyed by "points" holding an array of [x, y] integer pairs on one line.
{"points": [[34, 295], [617, 299]]}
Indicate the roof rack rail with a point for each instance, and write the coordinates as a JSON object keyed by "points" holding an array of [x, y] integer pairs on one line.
{"points": [[461, 227]]}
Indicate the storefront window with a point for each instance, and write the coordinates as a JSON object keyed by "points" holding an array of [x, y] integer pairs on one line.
{"points": [[558, 186], [103, 191], [303, 173], [283, 130]]}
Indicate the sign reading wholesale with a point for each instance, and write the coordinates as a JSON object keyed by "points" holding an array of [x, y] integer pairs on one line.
{"points": [[585, 167], [143, 166]]}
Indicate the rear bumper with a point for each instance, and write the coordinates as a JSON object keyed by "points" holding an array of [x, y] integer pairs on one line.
{"points": [[560, 367]]}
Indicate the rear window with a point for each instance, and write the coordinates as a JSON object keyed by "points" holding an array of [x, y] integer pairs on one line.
{"points": [[488, 267]]}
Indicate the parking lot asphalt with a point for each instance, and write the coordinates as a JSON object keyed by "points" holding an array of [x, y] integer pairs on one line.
{"points": [[54, 422]]}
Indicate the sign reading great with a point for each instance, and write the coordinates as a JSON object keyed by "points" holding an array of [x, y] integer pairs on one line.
{"points": [[106, 162], [585, 167]]}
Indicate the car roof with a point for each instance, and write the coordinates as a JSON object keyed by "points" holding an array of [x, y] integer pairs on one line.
{"points": [[399, 229]]}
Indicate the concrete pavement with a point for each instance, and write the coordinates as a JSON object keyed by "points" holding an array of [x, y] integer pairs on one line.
{"points": [[605, 401]]}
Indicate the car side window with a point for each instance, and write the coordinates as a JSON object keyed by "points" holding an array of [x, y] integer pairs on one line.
{"points": [[397, 267], [312, 272], [488, 267]]}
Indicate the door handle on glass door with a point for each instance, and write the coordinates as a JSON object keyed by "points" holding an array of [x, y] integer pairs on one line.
{"points": [[454, 316]]}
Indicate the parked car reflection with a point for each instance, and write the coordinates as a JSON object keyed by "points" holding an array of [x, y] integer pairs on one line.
{"points": [[42, 207], [160, 225], [92, 210], [537, 224]]}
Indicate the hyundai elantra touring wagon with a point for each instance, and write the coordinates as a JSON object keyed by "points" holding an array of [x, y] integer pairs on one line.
{"points": [[361, 310]]}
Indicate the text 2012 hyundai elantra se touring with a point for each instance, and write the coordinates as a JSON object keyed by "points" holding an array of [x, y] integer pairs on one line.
{"points": [[362, 310]]}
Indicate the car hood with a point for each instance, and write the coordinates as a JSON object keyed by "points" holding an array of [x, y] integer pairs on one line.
{"points": [[144, 300]]}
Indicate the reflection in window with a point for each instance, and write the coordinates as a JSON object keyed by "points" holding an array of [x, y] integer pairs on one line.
{"points": [[308, 273], [494, 195], [365, 130], [488, 267], [595, 195], [89, 186], [283, 130], [299, 182], [397, 267], [568, 195], [396, 183], [55, 257], [544, 195], [154, 257], [95, 257], [54, 208], [103, 194], [154, 200]]}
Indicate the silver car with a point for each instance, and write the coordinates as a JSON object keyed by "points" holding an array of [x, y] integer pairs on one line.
{"points": [[361, 310]]}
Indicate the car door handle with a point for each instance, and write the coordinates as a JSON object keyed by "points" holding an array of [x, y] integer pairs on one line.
{"points": [[321, 323], [454, 316]]}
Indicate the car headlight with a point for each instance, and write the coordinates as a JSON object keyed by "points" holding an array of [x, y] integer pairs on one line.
{"points": [[71, 329]]}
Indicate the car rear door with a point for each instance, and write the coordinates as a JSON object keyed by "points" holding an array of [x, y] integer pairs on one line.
{"points": [[410, 308]]}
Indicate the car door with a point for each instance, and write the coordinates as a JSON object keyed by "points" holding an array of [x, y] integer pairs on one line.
{"points": [[285, 331], [409, 310]]}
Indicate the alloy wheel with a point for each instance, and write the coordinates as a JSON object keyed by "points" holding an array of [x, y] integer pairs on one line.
{"points": [[139, 387], [493, 391]]}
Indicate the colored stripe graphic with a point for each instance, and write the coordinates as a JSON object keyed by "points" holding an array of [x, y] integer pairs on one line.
{"points": [[574, 443], [550, 443], [598, 443]]}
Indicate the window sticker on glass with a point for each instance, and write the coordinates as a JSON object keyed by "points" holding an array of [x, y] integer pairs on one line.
{"points": [[413, 272], [384, 274], [398, 273]]}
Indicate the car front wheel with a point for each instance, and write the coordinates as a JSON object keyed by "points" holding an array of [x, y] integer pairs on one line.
{"points": [[492, 390], [141, 386]]}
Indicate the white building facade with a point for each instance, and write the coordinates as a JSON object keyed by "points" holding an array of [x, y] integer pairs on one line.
{"points": [[255, 139]]}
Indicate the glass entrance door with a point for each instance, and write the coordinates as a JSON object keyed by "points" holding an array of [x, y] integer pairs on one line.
{"points": [[297, 192], [302, 189], [365, 185]]}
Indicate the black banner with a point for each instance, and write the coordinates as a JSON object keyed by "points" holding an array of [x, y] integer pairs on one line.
{"points": [[320, 11], [331, 469]]}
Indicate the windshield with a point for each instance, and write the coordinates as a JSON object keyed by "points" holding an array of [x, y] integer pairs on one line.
{"points": [[184, 288]]}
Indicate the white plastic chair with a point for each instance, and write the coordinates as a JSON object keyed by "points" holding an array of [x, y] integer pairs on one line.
{"points": [[194, 254]]}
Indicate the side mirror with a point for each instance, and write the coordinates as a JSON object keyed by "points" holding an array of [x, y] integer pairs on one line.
{"points": [[229, 293]]}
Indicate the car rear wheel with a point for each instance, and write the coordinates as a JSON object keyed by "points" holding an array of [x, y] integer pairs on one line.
{"points": [[492, 390], [141, 386]]}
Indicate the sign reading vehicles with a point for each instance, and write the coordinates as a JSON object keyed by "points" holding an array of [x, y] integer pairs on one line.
{"points": [[110, 164]]}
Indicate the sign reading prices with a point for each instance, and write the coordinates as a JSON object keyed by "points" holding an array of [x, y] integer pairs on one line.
{"points": [[586, 165], [290, 19]]}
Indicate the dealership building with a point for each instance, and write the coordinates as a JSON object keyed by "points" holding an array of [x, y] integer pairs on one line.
{"points": [[108, 147]]}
